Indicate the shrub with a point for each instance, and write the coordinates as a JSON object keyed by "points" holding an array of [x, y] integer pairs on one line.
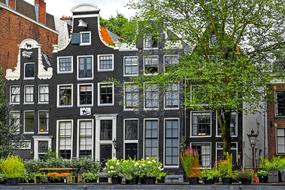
{"points": [[128, 169], [210, 174], [262, 173], [13, 167], [113, 168], [225, 167], [247, 174], [190, 162], [89, 176], [86, 165], [152, 168], [275, 164]]}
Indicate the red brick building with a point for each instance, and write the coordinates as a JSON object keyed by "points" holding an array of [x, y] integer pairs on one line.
{"points": [[21, 20]]}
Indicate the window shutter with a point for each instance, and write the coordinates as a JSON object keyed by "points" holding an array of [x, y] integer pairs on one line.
{"points": [[75, 38]]}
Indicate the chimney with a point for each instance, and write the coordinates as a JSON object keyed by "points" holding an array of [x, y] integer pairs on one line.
{"points": [[11, 4], [40, 9]]}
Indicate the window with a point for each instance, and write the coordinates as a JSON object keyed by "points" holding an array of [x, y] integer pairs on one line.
{"points": [[151, 139], [85, 38], [169, 61], [106, 94], [171, 96], [131, 139], [171, 149], [65, 95], [106, 130], [15, 122], [29, 122], [65, 64], [29, 94], [234, 125], [43, 94], [65, 139], [151, 65], [85, 95], [131, 96], [150, 42], [280, 103], [201, 123], [151, 96], [204, 152], [85, 67], [234, 152], [131, 66], [29, 70], [280, 141], [43, 148], [105, 62], [85, 139], [22, 145], [43, 121], [15, 94]]}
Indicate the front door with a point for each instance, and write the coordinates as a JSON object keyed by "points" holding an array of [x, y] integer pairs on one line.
{"points": [[42, 144], [105, 137]]}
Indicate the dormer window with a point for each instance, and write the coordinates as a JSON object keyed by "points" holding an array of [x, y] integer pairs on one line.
{"points": [[29, 70], [150, 42], [85, 38]]}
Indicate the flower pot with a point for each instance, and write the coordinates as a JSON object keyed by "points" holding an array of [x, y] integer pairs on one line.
{"points": [[227, 180], [116, 180], [148, 180], [263, 179], [273, 177], [245, 181], [12, 181], [209, 181], [193, 180], [132, 181]]}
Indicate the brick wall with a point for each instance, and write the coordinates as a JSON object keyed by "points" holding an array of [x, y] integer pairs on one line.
{"points": [[273, 122], [14, 29]]}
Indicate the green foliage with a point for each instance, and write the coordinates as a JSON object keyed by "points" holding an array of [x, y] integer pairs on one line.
{"points": [[210, 174], [190, 162], [90, 176], [275, 164], [113, 168], [150, 168], [128, 169], [225, 167], [13, 167], [85, 165], [262, 173], [247, 174]]}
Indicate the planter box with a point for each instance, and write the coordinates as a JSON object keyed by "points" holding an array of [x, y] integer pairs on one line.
{"points": [[12, 181], [273, 177], [245, 181], [227, 180], [263, 179], [282, 175], [116, 180], [193, 180], [148, 180]]}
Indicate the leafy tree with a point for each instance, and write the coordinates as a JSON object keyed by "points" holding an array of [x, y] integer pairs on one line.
{"points": [[7, 127], [233, 45]]}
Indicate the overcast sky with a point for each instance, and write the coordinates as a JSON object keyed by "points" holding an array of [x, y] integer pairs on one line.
{"points": [[108, 7]]}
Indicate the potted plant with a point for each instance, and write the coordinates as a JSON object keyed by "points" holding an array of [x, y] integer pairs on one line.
{"points": [[190, 164], [129, 171], [225, 170], [13, 168], [89, 177], [272, 167], [113, 170], [210, 176], [150, 170], [87, 170], [245, 176], [262, 175]]}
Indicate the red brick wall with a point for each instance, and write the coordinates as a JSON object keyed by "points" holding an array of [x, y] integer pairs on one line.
{"points": [[42, 11], [273, 122], [14, 29]]}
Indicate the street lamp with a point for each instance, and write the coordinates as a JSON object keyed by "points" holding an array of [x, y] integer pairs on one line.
{"points": [[252, 137]]}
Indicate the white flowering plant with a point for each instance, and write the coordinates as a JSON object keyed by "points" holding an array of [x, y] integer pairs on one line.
{"points": [[113, 168], [153, 168]]}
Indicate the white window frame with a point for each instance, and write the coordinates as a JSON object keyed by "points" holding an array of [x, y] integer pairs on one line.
{"points": [[216, 158], [99, 92], [170, 55], [276, 141], [43, 85], [236, 127], [57, 134], [164, 143], [29, 78], [211, 123], [24, 122], [16, 112], [78, 137], [98, 63], [144, 97], [130, 109], [130, 141], [25, 94], [211, 152], [64, 72], [149, 48], [15, 103], [164, 98], [144, 64], [92, 67], [46, 132], [78, 94], [144, 120], [23, 148], [57, 96], [84, 43], [124, 66]]}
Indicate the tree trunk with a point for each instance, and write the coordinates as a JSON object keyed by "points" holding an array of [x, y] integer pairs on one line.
{"points": [[224, 119]]}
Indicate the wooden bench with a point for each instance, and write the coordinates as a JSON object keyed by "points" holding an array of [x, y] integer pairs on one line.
{"points": [[59, 172]]}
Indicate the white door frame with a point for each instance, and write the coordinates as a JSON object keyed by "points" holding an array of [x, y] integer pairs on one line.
{"points": [[98, 142], [36, 144]]}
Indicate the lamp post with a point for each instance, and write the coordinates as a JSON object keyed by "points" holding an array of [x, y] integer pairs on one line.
{"points": [[252, 137]]}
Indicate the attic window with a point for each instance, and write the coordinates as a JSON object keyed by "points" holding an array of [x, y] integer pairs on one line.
{"points": [[29, 70], [85, 38], [150, 42]]}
